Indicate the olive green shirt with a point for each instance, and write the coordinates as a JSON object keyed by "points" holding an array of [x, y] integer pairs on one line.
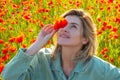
{"points": [[42, 67]]}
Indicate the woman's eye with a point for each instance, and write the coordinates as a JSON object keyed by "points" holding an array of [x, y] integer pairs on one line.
{"points": [[73, 27]]}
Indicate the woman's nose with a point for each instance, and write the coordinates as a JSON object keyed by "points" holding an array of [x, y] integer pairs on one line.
{"points": [[65, 29]]}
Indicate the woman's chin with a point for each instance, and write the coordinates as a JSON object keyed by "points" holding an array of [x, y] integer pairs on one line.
{"points": [[63, 44]]}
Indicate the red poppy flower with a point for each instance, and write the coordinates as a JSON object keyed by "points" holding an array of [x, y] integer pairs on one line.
{"points": [[41, 24], [6, 44], [26, 16], [98, 19], [60, 23], [117, 19], [111, 59], [12, 39], [6, 57], [1, 67], [5, 50], [1, 14], [115, 29], [104, 50], [1, 41], [41, 10], [99, 32], [24, 45], [104, 23], [30, 30], [33, 40], [105, 56], [2, 28], [1, 20], [110, 1], [19, 39], [12, 49]]}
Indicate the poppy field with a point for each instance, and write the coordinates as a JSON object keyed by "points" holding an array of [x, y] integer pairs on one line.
{"points": [[21, 21]]}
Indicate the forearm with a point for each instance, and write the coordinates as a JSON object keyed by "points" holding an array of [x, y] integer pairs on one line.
{"points": [[34, 48]]}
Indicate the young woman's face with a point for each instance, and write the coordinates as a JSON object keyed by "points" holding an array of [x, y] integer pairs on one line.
{"points": [[71, 34]]}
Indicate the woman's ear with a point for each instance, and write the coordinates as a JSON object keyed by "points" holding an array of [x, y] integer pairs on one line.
{"points": [[85, 40]]}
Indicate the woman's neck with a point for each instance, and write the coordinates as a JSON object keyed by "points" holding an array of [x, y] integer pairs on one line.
{"points": [[68, 54]]}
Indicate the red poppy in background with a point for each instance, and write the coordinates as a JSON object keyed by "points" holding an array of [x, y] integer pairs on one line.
{"points": [[5, 50], [12, 49], [2, 29], [110, 1], [1, 14], [24, 45], [33, 40], [6, 57], [111, 59], [26, 16], [19, 39], [1, 20], [12, 39], [60, 23], [1, 67], [1, 41], [41, 24], [104, 50], [117, 19], [30, 30], [105, 56], [115, 29]]}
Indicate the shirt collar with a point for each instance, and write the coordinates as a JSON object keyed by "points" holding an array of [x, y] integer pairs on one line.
{"points": [[56, 64], [81, 66]]}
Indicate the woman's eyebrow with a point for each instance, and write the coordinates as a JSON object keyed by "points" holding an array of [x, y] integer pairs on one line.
{"points": [[74, 24]]}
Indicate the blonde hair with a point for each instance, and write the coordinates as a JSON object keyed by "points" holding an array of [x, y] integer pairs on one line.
{"points": [[89, 32]]}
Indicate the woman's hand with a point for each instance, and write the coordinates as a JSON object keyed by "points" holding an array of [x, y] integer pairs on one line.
{"points": [[44, 36]]}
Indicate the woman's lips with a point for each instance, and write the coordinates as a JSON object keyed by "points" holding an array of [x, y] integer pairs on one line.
{"points": [[64, 36]]}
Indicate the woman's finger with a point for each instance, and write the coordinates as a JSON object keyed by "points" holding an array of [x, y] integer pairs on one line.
{"points": [[53, 32], [46, 26], [49, 28]]}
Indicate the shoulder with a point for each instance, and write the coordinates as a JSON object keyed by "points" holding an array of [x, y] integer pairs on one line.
{"points": [[97, 60], [45, 53], [104, 66], [100, 63], [111, 72], [97, 65]]}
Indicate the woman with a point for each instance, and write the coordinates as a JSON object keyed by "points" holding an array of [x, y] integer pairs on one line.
{"points": [[72, 58]]}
